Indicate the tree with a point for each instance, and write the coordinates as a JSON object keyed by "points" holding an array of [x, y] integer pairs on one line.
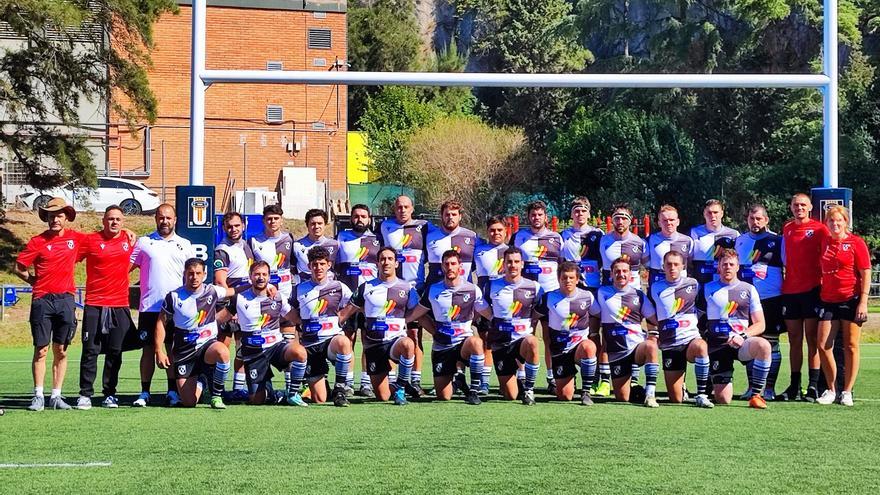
{"points": [[65, 55], [383, 35]]}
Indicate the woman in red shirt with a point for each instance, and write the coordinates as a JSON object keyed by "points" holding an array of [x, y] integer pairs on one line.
{"points": [[846, 280]]}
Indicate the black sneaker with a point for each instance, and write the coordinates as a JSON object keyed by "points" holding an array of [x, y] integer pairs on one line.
{"points": [[528, 398], [415, 390], [339, 398], [586, 400], [812, 394], [637, 394], [473, 398], [521, 387], [459, 384], [792, 393], [551, 386], [366, 392]]}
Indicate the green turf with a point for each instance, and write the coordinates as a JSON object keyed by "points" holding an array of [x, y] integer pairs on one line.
{"points": [[499, 447]]}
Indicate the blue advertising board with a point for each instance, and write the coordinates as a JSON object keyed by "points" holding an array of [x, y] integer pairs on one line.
{"points": [[826, 197], [196, 221]]}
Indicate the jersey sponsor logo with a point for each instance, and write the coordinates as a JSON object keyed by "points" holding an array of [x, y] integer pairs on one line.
{"points": [[49, 247]]}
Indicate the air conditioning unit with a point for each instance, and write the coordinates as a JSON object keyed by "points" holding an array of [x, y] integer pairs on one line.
{"points": [[253, 200]]}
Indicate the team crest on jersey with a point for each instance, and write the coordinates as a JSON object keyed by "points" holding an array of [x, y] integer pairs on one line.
{"points": [[179, 304], [439, 367], [402, 293], [809, 233], [372, 367], [667, 363], [69, 244], [743, 294], [467, 240], [330, 250], [528, 295], [583, 305], [375, 242], [770, 244], [689, 289], [466, 298], [181, 370], [617, 370], [253, 374], [273, 306], [559, 370], [845, 247]]}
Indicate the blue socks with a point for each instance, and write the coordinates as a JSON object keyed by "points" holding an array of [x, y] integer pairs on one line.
{"points": [[475, 366], [297, 371], [404, 369], [760, 370], [531, 374], [343, 366], [651, 372], [218, 382], [588, 371], [701, 366]]}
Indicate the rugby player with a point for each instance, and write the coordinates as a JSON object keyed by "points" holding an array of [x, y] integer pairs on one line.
{"points": [[709, 239], [571, 314], [802, 239], [675, 300], [356, 264], [275, 246], [489, 265], [191, 311], [232, 260], [386, 303], [316, 304], [760, 254], [735, 323], [622, 243], [447, 309], [542, 250], [160, 257], [511, 336], [450, 235], [107, 326], [262, 344], [407, 236], [623, 307], [316, 222], [667, 239], [580, 244], [53, 320]]}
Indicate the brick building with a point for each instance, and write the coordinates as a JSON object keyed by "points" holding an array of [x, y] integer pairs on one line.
{"points": [[253, 131]]}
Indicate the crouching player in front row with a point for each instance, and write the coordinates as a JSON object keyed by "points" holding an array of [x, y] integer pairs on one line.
{"points": [[195, 349], [623, 309], [262, 343], [387, 303], [447, 311], [679, 335], [316, 304], [735, 321], [572, 316]]}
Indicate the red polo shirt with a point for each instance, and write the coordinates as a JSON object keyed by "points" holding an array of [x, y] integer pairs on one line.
{"points": [[841, 262], [802, 248], [107, 262], [53, 257]]}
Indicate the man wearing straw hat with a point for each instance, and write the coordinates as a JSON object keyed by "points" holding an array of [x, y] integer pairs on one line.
{"points": [[53, 320]]}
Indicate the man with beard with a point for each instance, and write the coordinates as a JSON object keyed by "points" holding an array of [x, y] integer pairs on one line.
{"points": [[760, 254], [160, 257], [232, 260], [407, 236], [356, 264], [541, 249], [489, 265]]}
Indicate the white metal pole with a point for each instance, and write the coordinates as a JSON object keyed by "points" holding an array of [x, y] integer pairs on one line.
{"points": [[480, 79], [830, 96], [197, 96]]}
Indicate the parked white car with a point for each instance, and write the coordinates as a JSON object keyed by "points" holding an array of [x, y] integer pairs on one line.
{"points": [[132, 196]]}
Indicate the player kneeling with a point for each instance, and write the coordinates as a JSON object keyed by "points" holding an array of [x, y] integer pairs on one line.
{"points": [[262, 343], [197, 356], [446, 310], [675, 298], [571, 314], [623, 309], [735, 321], [316, 304], [386, 302]]}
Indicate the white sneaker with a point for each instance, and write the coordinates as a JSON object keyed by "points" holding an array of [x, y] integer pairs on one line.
{"points": [[846, 399], [142, 401], [827, 397], [84, 403], [110, 402], [703, 401]]}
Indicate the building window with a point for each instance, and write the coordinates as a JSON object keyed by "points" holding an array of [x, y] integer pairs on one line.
{"points": [[274, 114], [319, 39]]}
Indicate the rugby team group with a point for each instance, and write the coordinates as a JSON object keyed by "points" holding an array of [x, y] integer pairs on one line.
{"points": [[711, 297]]}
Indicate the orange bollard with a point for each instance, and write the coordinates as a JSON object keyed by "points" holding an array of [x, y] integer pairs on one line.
{"points": [[647, 221], [607, 224], [516, 223], [555, 224]]}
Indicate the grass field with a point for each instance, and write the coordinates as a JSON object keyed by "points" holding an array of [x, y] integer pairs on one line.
{"points": [[434, 447]]}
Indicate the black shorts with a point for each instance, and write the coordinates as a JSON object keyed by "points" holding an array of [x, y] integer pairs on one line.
{"points": [[192, 365], [563, 364], [377, 357], [622, 367], [147, 328], [352, 324], [775, 325], [675, 359], [508, 358], [840, 311], [721, 364], [256, 368], [53, 319], [116, 334], [229, 328], [317, 356], [446, 362], [801, 306]]}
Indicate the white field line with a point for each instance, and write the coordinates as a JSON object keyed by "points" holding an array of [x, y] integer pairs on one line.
{"points": [[15, 465]]}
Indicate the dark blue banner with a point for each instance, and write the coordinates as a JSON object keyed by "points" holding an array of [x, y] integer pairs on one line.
{"points": [[196, 221]]}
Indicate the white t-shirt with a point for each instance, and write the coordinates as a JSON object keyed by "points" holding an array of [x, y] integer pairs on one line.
{"points": [[161, 264]]}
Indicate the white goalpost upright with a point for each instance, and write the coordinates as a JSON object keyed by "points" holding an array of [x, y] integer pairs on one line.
{"points": [[201, 79]]}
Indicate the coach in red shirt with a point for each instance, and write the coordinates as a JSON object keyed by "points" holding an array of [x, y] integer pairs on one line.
{"points": [[107, 324], [802, 239], [846, 282], [53, 320]]}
